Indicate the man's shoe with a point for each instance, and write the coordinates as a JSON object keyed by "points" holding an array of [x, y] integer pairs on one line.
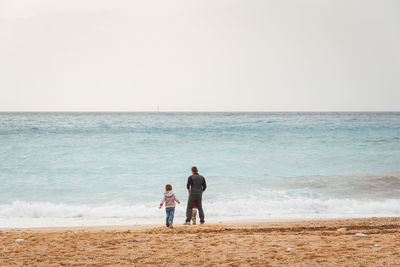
{"points": [[201, 222], [170, 225], [186, 223]]}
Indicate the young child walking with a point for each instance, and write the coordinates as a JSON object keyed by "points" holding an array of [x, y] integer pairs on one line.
{"points": [[169, 199], [194, 214]]}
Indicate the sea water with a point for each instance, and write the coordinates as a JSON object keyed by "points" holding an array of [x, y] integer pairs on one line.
{"points": [[61, 169]]}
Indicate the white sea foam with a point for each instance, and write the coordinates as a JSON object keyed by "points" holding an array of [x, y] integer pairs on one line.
{"points": [[45, 214], [51, 210]]}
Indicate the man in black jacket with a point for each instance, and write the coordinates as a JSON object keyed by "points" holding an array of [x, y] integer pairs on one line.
{"points": [[196, 185]]}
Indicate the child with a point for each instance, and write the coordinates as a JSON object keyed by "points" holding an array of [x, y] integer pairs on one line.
{"points": [[194, 214], [169, 199]]}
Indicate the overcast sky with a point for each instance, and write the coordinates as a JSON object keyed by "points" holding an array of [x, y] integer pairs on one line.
{"points": [[217, 55]]}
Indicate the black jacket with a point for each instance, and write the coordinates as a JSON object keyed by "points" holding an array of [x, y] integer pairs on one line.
{"points": [[196, 184]]}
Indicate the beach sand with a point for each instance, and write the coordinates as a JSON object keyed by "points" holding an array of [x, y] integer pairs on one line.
{"points": [[290, 243]]}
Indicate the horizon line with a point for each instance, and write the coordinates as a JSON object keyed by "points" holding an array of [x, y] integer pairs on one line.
{"points": [[203, 111]]}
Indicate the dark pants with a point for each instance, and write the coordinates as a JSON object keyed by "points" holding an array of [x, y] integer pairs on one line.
{"points": [[194, 198], [170, 211]]}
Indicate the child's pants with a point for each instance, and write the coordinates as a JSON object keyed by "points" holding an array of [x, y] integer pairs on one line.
{"points": [[170, 215], [194, 214]]}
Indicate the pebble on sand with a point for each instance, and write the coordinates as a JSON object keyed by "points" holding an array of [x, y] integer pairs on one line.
{"points": [[288, 249], [361, 235], [139, 240], [341, 229], [20, 240]]}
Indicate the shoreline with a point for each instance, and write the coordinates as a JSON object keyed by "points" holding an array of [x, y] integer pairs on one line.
{"points": [[123, 227], [340, 242]]}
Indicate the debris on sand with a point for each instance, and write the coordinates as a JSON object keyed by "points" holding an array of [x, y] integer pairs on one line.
{"points": [[361, 235]]}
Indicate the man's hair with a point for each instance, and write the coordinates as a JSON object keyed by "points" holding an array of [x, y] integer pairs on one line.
{"points": [[168, 187], [194, 169]]}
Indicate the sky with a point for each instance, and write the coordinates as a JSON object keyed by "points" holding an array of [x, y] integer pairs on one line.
{"points": [[209, 55]]}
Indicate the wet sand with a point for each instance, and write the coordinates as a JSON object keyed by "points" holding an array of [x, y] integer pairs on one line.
{"points": [[295, 243]]}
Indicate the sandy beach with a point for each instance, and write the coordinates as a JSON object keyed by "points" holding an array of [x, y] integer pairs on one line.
{"points": [[290, 243]]}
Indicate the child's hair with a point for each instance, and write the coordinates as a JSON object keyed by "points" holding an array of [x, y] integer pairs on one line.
{"points": [[168, 187]]}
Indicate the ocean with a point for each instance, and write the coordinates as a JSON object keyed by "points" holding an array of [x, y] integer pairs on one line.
{"points": [[73, 169]]}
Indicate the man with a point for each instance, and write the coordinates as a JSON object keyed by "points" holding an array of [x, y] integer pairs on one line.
{"points": [[196, 185]]}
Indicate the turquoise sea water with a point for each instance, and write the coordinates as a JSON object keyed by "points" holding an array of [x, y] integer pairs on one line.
{"points": [[111, 168]]}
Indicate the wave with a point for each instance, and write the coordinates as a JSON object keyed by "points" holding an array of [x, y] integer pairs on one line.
{"points": [[355, 187], [61, 210], [46, 214]]}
